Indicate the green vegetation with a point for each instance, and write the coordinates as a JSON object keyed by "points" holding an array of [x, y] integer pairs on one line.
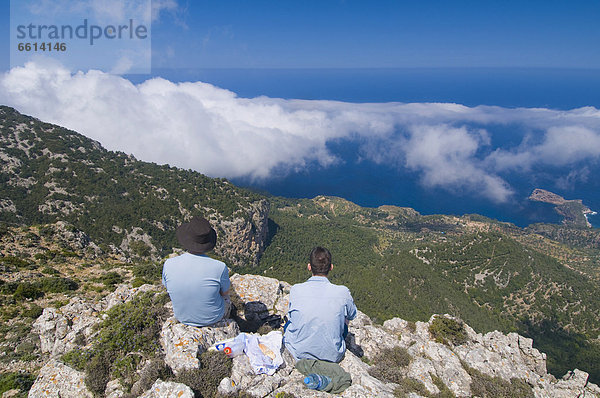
{"points": [[27, 291], [565, 350], [427, 265], [125, 339], [110, 279], [573, 213], [445, 392], [50, 271], [140, 249], [111, 189], [214, 366], [56, 284], [154, 369], [284, 395], [485, 386], [15, 262], [408, 385], [20, 381], [388, 366], [448, 331], [148, 272], [33, 311], [76, 359], [36, 289]]}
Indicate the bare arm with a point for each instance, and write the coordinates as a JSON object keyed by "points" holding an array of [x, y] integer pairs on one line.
{"points": [[225, 294]]}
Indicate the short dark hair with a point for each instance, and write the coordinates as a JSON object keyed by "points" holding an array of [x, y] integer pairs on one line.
{"points": [[320, 261]]}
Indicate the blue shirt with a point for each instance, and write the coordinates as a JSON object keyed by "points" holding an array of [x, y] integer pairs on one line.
{"points": [[317, 315], [194, 283]]}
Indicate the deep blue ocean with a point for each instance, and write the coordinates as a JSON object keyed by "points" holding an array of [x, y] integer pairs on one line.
{"points": [[370, 184]]}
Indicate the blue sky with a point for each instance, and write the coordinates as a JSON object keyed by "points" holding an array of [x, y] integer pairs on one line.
{"points": [[374, 34], [443, 142]]}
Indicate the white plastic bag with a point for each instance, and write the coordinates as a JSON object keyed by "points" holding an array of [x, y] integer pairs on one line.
{"points": [[264, 352]]}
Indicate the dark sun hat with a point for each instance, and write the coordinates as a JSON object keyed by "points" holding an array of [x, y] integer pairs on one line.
{"points": [[197, 236]]}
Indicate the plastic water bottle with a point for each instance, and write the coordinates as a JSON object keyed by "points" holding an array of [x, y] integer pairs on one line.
{"points": [[220, 346], [317, 382], [234, 348]]}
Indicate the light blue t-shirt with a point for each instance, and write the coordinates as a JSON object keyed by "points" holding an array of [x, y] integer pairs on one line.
{"points": [[194, 283], [317, 314]]}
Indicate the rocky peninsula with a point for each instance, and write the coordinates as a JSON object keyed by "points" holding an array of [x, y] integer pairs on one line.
{"points": [[574, 212]]}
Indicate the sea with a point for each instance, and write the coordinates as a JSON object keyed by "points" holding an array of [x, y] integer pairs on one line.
{"points": [[369, 184]]}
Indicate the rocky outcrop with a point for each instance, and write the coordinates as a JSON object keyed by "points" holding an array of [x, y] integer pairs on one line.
{"points": [[261, 296], [57, 380], [162, 389], [61, 330], [430, 363], [71, 326], [183, 344], [541, 195], [242, 240]]}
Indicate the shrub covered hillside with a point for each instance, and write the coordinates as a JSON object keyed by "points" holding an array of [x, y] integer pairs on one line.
{"points": [[48, 173], [493, 275]]}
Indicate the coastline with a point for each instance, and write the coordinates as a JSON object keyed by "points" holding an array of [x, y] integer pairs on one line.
{"points": [[587, 213]]}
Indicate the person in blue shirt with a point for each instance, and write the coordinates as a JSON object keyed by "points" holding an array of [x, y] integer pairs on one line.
{"points": [[197, 284], [318, 313]]}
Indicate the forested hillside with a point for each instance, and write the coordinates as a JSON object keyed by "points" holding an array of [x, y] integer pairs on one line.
{"points": [[49, 173], [492, 275]]}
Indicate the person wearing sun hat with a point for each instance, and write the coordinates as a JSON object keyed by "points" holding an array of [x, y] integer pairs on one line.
{"points": [[197, 284]]}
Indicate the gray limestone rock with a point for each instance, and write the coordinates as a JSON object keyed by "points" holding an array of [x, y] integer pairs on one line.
{"points": [[261, 295], [15, 392], [168, 389], [243, 378], [448, 368], [495, 354], [421, 370], [361, 380], [507, 356], [57, 380], [573, 384], [371, 339], [124, 293], [242, 239], [182, 344], [71, 326], [63, 329], [114, 389]]}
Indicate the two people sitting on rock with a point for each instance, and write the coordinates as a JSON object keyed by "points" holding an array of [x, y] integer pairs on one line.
{"points": [[318, 313], [197, 284]]}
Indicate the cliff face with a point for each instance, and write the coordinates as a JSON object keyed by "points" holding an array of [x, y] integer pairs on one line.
{"points": [[242, 240], [461, 368]]}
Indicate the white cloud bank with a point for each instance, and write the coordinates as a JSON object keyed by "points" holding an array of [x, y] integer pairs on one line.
{"points": [[209, 129]]}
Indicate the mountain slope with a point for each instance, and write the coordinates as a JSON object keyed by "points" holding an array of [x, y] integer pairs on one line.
{"points": [[49, 173], [399, 263]]}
